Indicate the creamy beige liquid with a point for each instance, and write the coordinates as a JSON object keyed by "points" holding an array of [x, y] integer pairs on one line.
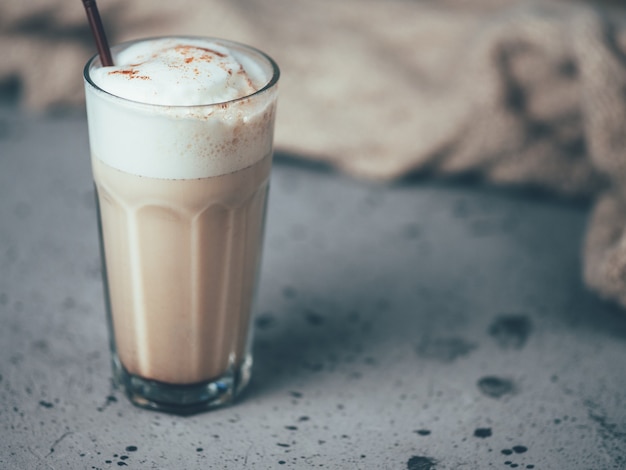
{"points": [[181, 261]]}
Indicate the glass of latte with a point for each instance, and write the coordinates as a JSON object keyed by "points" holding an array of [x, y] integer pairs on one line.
{"points": [[181, 132]]}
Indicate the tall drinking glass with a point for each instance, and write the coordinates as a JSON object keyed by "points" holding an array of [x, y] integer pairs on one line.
{"points": [[181, 192]]}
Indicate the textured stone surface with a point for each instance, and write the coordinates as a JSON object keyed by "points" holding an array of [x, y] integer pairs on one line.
{"points": [[416, 326]]}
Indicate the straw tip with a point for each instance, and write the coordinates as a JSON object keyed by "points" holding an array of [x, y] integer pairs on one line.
{"points": [[98, 32]]}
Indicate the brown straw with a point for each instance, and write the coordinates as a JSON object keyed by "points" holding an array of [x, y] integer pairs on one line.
{"points": [[95, 22]]}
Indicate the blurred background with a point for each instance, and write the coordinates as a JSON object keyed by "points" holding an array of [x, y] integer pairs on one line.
{"points": [[45, 42], [381, 89]]}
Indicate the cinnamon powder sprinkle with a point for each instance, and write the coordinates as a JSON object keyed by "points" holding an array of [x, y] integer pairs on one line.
{"points": [[206, 49], [184, 50], [132, 73], [207, 56], [124, 72]]}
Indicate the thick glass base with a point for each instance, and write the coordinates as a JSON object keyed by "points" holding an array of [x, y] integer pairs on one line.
{"points": [[183, 399]]}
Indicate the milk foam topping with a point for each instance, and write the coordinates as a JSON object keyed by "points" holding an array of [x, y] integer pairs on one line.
{"points": [[181, 108]]}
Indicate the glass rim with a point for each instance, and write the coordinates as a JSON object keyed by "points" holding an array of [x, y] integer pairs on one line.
{"points": [[226, 42]]}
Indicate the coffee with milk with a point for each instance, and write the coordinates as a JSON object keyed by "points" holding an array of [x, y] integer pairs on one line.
{"points": [[181, 142]]}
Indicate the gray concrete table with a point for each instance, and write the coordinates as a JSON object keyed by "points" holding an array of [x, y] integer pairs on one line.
{"points": [[416, 326]]}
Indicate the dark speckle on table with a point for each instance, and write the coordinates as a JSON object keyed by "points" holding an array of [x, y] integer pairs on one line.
{"points": [[265, 321], [511, 331], [110, 399], [314, 318], [418, 462], [483, 433], [495, 387], [445, 349]]}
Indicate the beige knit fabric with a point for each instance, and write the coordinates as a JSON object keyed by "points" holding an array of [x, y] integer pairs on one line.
{"points": [[518, 92]]}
